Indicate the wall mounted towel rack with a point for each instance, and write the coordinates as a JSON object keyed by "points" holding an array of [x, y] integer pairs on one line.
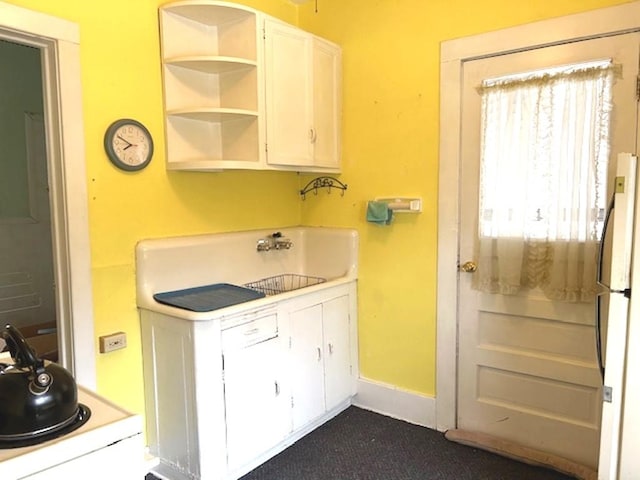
{"points": [[323, 182]]}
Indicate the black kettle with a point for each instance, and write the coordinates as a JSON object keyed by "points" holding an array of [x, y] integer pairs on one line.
{"points": [[36, 399]]}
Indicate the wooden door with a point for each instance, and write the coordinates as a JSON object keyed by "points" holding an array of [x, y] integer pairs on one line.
{"points": [[527, 369]]}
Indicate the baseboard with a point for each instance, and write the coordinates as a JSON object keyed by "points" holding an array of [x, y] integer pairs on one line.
{"points": [[394, 402]]}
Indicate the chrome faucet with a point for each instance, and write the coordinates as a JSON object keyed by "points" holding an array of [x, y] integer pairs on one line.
{"points": [[264, 245], [274, 241]]}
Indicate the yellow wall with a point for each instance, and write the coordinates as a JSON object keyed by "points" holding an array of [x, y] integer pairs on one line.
{"points": [[390, 139], [121, 77], [390, 147]]}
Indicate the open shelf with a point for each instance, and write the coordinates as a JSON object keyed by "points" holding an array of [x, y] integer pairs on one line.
{"points": [[203, 28], [213, 114], [211, 84], [191, 139], [211, 64]]}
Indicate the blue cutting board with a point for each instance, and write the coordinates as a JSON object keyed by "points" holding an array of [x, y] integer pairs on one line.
{"points": [[208, 297]]}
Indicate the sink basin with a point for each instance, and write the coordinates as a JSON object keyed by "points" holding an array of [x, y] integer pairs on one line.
{"points": [[284, 283], [318, 255]]}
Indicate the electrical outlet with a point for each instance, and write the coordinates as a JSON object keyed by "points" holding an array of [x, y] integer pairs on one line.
{"points": [[114, 341]]}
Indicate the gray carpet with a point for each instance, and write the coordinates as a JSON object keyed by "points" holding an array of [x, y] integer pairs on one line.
{"points": [[362, 445]]}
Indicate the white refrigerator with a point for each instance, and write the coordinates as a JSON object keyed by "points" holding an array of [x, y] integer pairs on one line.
{"points": [[620, 330]]}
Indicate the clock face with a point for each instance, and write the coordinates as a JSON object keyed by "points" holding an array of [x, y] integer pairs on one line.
{"points": [[128, 144]]}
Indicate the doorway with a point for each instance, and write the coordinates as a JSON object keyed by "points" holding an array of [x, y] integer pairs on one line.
{"points": [[27, 288], [527, 364], [58, 43], [454, 54]]}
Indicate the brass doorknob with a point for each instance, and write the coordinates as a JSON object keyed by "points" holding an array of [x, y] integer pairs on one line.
{"points": [[469, 267]]}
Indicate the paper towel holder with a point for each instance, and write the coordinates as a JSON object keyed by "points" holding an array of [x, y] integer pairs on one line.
{"points": [[402, 204]]}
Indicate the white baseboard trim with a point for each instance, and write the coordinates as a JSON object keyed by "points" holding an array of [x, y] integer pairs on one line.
{"points": [[393, 402]]}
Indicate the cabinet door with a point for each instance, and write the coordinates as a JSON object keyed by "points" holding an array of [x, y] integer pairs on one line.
{"points": [[327, 74], [288, 94], [337, 359], [307, 369], [257, 408]]}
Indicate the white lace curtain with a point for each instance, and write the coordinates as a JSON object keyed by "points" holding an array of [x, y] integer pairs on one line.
{"points": [[543, 175]]}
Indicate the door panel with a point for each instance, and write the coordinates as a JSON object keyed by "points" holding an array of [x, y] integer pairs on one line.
{"points": [[335, 322], [527, 365], [27, 292], [257, 411], [307, 372], [288, 91]]}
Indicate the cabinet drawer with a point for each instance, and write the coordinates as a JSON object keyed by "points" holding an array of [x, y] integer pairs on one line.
{"points": [[250, 333]]}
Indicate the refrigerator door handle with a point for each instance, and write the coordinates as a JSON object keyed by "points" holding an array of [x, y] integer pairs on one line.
{"points": [[605, 228]]}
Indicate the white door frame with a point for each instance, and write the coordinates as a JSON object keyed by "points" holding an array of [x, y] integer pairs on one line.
{"points": [[59, 41], [602, 22]]}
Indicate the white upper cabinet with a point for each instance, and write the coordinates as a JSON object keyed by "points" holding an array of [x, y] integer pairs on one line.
{"points": [[303, 98], [217, 113], [327, 103], [211, 62], [289, 87]]}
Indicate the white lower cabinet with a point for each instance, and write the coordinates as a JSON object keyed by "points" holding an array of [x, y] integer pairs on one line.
{"points": [[257, 406], [338, 364], [226, 394], [307, 372], [321, 375]]}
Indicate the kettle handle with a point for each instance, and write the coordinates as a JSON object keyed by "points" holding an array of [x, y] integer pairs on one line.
{"points": [[21, 352]]}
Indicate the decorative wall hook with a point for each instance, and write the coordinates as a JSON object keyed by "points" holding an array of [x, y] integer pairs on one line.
{"points": [[323, 182]]}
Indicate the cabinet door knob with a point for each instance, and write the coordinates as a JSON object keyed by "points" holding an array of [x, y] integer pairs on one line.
{"points": [[319, 353], [312, 135], [331, 348], [277, 385]]}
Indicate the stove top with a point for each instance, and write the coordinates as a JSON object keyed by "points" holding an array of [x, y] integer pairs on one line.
{"points": [[81, 417], [104, 424]]}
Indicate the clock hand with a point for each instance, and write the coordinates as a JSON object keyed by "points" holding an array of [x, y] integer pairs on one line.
{"points": [[128, 143]]}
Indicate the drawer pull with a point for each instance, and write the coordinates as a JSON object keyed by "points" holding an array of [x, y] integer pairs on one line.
{"points": [[245, 335]]}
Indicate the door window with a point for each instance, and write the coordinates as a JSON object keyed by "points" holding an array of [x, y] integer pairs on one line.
{"points": [[543, 176]]}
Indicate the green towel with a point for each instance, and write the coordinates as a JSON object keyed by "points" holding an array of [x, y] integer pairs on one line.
{"points": [[379, 213]]}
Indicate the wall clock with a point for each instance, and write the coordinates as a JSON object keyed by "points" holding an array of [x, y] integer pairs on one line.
{"points": [[128, 144]]}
